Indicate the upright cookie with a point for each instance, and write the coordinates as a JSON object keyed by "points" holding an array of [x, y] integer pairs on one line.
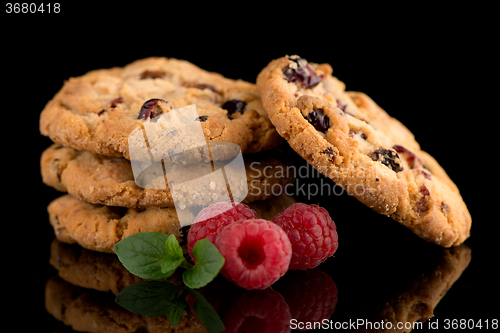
{"points": [[351, 140], [110, 181], [98, 111]]}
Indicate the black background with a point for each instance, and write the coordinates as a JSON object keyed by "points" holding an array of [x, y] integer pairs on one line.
{"points": [[432, 68]]}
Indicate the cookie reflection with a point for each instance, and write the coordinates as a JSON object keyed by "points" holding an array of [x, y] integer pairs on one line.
{"points": [[82, 296], [89, 310], [409, 308]]}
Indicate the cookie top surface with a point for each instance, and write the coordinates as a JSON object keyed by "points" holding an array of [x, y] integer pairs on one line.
{"points": [[99, 110], [350, 139], [110, 181]]}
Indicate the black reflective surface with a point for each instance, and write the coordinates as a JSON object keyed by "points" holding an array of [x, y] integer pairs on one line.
{"points": [[381, 270], [378, 279], [379, 274]]}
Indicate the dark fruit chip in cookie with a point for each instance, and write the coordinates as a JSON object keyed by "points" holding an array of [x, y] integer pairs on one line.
{"points": [[422, 205], [302, 72], [151, 109], [152, 74], [233, 106], [202, 119], [115, 102], [413, 160], [388, 158], [332, 153], [200, 86], [319, 120], [340, 105]]}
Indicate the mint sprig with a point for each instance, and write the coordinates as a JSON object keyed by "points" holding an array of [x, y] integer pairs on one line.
{"points": [[173, 257], [141, 254], [209, 261], [155, 256]]}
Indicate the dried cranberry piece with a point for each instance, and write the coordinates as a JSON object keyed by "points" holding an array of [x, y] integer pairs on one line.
{"points": [[425, 191], [200, 86], [426, 175], [201, 119], [233, 106], [444, 207], [353, 133], [302, 73], [413, 160], [319, 120], [388, 158], [115, 102], [153, 74], [332, 153], [340, 105], [422, 205], [151, 109]]}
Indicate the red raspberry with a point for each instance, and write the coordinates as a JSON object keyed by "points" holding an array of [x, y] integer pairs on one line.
{"points": [[311, 231], [257, 253], [212, 219]]}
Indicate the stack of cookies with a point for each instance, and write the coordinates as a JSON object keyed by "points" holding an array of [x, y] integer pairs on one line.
{"points": [[90, 121]]}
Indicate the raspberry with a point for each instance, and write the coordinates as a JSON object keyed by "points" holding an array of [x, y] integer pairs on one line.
{"points": [[211, 220], [257, 253], [312, 233]]}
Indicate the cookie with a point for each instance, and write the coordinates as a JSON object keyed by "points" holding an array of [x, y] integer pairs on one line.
{"points": [[99, 110], [99, 228], [110, 181], [350, 139]]}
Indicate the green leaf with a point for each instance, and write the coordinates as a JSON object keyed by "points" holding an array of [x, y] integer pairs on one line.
{"points": [[206, 313], [209, 262], [174, 257], [141, 254], [150, 298], [175, 313]]}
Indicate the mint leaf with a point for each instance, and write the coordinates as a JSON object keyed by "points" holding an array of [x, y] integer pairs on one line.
{"points": [[175, 312], [149, 298], [141, 254], [174, 257], [206, 313], [209, 262]]}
